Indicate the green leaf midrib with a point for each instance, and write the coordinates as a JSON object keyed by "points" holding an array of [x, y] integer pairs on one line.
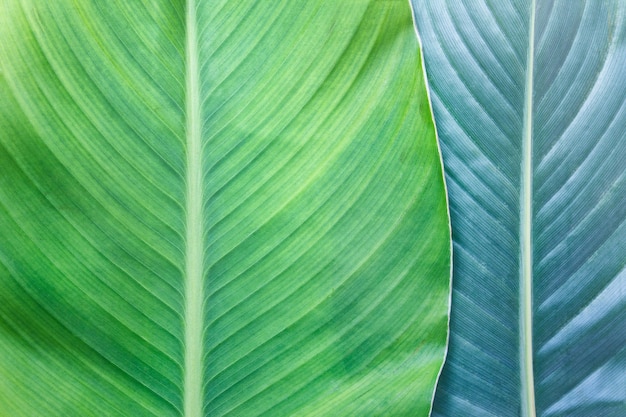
{"points": [[526, 239], [194, 248]]}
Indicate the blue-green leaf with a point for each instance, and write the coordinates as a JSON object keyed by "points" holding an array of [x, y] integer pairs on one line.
{"points": [[530, 103]]}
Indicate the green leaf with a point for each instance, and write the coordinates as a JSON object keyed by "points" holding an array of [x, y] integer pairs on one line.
{"points": [[218, 208], [530, 103]]}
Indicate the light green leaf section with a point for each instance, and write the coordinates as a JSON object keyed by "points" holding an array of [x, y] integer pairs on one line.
{"points": [[530, 102], [218, 208]]}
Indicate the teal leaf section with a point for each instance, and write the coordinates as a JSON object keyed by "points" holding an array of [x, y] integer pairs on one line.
{"points": [[218, 208], [530, 103]]}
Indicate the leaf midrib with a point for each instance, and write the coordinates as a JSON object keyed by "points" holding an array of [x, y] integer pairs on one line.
{"points": [[526, 242], [194, 248]]}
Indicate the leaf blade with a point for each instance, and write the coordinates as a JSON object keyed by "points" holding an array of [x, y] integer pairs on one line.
{"points": [[319, 166], [479, 49]]}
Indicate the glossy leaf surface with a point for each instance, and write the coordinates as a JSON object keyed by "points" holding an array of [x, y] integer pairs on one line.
{"points": [[530, 104], [218, 208]]}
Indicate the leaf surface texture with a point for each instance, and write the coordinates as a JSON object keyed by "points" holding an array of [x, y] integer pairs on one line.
{"points": [[220, 208], [530, 105]]}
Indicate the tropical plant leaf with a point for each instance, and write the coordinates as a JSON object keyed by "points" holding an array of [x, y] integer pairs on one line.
{"points": [[529, 99], [218, 208]]}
